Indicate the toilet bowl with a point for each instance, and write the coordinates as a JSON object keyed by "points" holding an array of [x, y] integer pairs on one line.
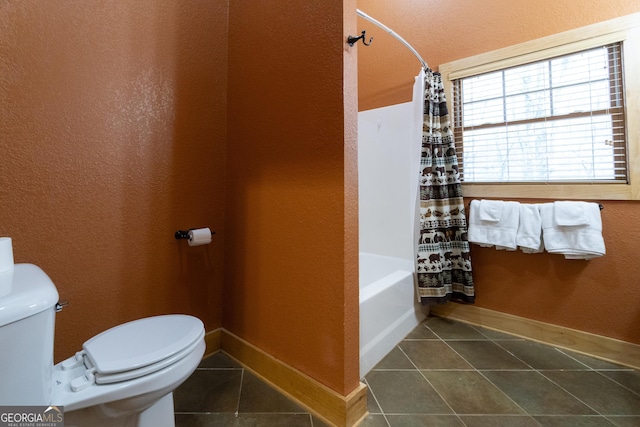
{"points": [[124, 376], [127, 369]]}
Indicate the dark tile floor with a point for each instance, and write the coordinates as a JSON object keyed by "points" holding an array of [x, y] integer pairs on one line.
{"points": [[222, 393], [444, 373]]}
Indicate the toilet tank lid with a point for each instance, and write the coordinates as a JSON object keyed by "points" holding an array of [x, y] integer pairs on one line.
{"points": [[25, 290], [142, 342]]}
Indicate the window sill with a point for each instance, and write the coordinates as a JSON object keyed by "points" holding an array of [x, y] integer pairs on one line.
{"points": [[550, 191]]}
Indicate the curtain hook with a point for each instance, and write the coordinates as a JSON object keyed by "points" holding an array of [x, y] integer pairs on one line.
{"points": [[353, 40]]}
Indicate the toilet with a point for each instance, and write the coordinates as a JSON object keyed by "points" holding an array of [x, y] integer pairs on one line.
{"points": [[124, 376]]}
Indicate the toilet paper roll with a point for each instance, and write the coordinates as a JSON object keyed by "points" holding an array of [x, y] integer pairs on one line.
{"points": [[6, 254], [199, 236]]}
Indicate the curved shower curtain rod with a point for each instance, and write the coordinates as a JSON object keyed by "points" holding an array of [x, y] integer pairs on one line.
{"points": [[394, 34]]}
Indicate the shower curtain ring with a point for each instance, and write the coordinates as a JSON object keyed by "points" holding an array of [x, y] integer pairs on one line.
{"points": [[353, 40]]}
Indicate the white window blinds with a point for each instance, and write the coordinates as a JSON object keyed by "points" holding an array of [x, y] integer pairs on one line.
{"points": [[557, 120]]}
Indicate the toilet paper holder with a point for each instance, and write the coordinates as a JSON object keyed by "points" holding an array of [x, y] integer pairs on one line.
{"points": [[184, 234]]}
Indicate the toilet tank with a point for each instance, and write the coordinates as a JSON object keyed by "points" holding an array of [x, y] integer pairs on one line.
{"points": [[28, 300]]}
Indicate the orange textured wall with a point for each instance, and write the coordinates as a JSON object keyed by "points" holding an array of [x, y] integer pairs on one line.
{"points": [[443, 31], [291, 276], [112, 132], [599, 296]]}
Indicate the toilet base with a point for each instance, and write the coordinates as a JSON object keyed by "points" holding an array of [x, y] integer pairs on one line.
{"points": [[160, 414]]}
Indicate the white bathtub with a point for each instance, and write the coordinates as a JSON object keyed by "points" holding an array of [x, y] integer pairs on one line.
{"points": [[389, 309]]}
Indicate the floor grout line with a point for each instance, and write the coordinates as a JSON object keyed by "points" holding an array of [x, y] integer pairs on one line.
{"points": [[378, 403], [533, 369], [484, 376], [431, 384], [239, 393], [619, 383]]}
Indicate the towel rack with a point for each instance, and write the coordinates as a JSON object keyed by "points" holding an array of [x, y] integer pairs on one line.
{"points": [[468, 206]]}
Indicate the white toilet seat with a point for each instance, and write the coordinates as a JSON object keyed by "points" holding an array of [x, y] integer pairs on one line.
{"points": [[146, 370], [115, 363], [135, 349], [141, 342]]}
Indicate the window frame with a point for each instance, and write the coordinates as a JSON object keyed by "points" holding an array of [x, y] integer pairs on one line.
{"points": [[625, 29]]}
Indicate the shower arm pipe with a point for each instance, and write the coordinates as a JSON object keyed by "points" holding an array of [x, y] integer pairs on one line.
{"points": [[395, 35]]}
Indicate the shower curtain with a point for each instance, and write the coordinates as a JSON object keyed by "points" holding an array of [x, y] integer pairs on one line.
{"points": [[443, 262]]}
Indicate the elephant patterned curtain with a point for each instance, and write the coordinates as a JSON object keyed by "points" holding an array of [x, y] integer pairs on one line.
{"points": [[443, 261]]}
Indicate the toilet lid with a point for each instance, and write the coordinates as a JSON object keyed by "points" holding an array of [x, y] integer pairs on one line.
{"points": [[142, 342]]}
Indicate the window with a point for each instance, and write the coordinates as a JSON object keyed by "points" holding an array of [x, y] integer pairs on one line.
{"points": [[549, 112], [558, 120]]}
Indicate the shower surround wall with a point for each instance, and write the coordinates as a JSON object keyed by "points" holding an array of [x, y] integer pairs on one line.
{"points": [[389, 141]]}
